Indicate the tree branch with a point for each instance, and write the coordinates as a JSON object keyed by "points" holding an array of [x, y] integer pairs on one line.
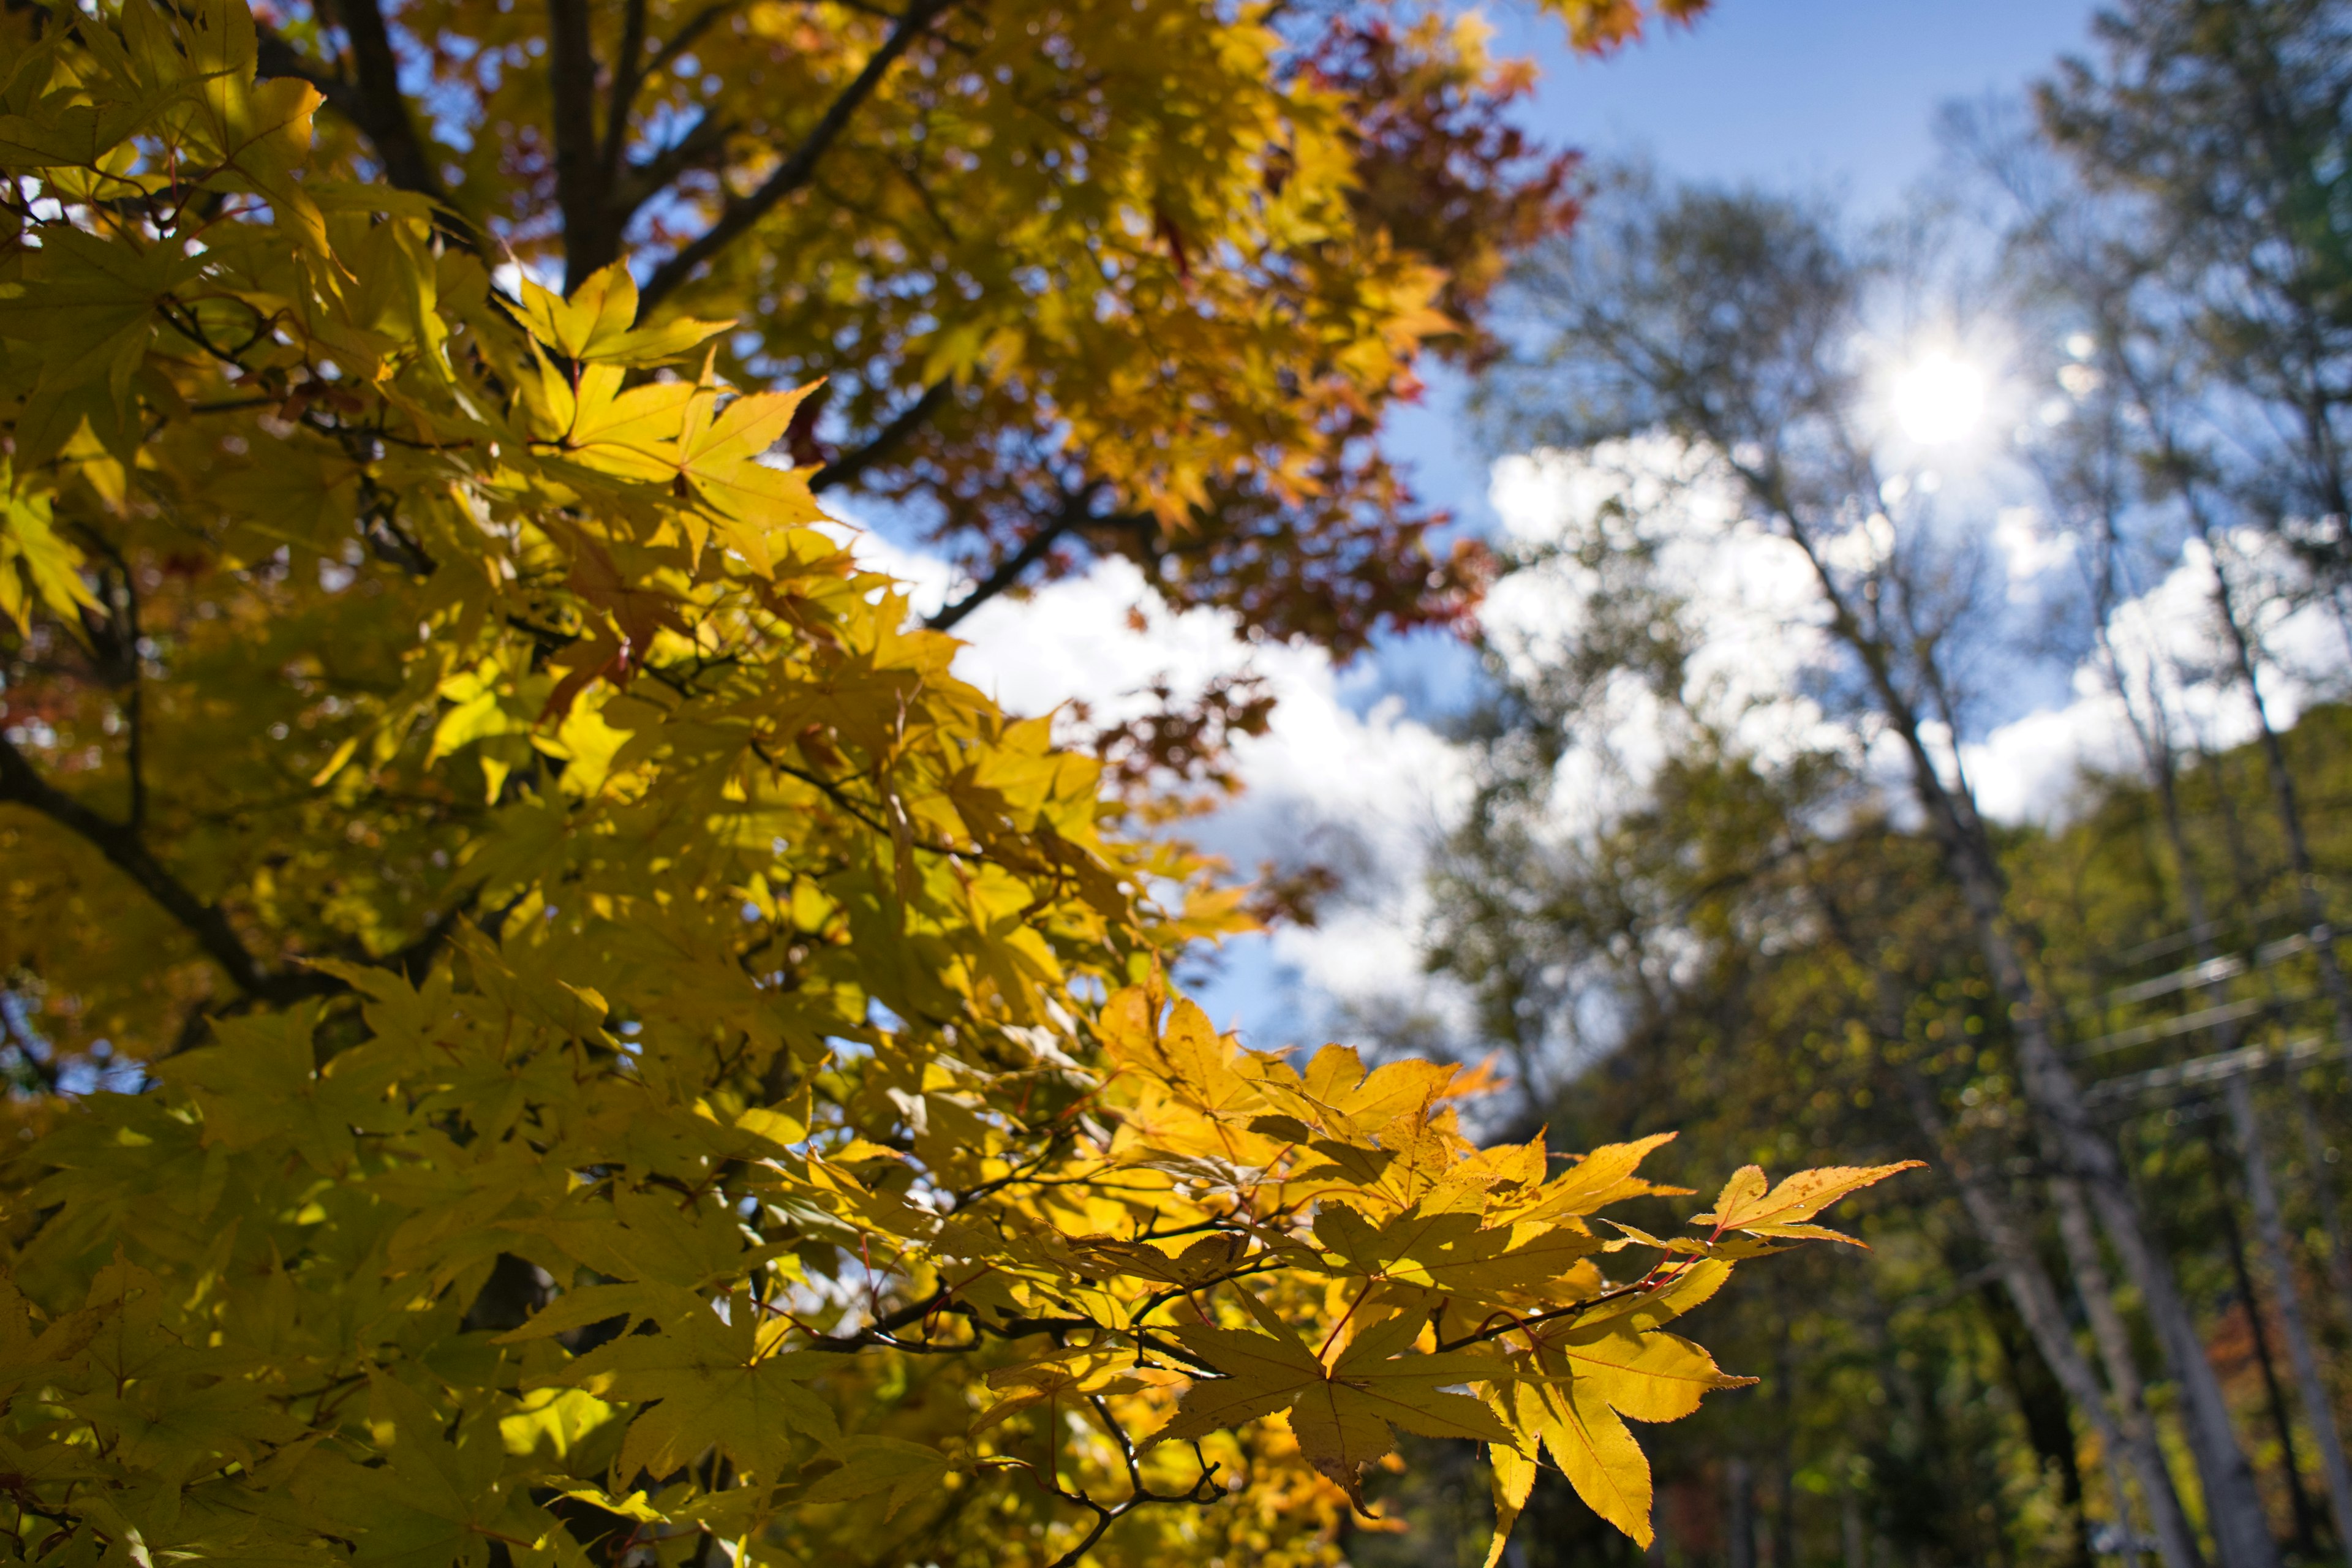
{"points": [[794, 171], [630, 74], [627, 74], [579, 190], [683, 39], [383, 107], [275, 56], [20, 783], [850, 467], [1073, 518], [639, 182], [372, 101]]}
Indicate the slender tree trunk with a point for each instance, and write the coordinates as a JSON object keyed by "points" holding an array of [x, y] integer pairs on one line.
{"points": [[2240, 1528], [2323, 1192], [2071, 1141], [2270, 1228], [2109, 1332], [2242, 1532], [2306, 1520], [1740, 1514], [2049, 1421], [2284, 798], [2038, 1303], [2260, 1192]]}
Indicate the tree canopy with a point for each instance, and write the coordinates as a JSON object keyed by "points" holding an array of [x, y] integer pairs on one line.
{"points": [[1082, 277]]}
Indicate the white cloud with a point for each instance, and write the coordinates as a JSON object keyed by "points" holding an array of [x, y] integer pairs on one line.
{"points": [[2027, 549], [2177, 670], [1751, 602], [1750, 609]]}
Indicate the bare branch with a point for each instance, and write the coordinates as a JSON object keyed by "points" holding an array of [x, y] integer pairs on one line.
{"points": [[372, 101], [683, 39], [629, 77], [627, 73], [704, 141], [384, 115]]}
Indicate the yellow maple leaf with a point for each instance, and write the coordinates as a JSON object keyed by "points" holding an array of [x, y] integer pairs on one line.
{"points": [[1340, 1411], [1744, 1205], [598, 324]]}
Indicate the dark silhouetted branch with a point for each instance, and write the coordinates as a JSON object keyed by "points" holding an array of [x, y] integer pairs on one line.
{"points": [[796, 170]]}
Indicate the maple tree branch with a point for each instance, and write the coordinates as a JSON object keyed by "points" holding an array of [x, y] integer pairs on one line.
{"points": [[1491, 1330], [372, 102], [579, 190], [796, 169], [277, 56], [411, 961], [1010, 570], [850, 467], [640, 182], [121, 845], [382, 109], [1266, 1263], [847, 802], [1104, 1518], [627, 74], [683, 39], [631, 73], [118, 635]]}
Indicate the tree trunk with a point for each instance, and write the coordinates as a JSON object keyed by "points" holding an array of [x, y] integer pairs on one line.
{"points": [[2284, 798], [2042, 1403], [2306, 1520], [1740, 1514], [2109, 1332], [2071, 1143], [2270, 1227], [2323, 1192], [2040, 1306]]}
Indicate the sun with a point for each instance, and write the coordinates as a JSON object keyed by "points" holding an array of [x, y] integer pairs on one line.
{"points": [[1939, 398]]}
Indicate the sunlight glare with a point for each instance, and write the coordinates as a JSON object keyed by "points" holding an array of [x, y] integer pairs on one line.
{"points": [[1940, 399]]}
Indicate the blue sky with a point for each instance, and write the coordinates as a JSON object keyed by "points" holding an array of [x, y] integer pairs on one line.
{"points": [[1827, 96], [1836, 94]]}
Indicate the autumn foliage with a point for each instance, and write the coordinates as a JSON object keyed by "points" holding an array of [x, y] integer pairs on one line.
{"points": [[612, 1051]]}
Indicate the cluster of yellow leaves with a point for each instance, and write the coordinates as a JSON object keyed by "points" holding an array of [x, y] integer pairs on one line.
{"points": [[632, 1053]]}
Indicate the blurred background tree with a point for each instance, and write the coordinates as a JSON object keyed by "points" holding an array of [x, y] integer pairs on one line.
{"points": [[1727, 868]]}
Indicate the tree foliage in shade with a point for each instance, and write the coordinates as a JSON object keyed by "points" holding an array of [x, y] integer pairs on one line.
{"points": [[614, 1053]]}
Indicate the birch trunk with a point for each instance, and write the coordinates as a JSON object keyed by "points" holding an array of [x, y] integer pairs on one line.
{"points": [[2270, 1228], [2069, 1142], [2040, 1304]]}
